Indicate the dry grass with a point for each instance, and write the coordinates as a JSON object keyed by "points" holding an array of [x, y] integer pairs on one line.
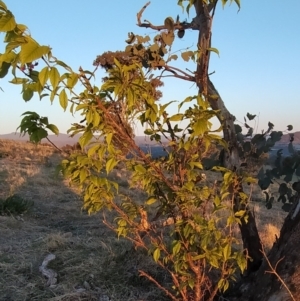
{"points": [[92, 264], [269, 221]]}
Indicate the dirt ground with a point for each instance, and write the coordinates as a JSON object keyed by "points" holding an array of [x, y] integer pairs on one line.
{"points": [[91, 263]]}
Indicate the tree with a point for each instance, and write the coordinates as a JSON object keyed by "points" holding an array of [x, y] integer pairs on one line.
{"points": [[179, 221]]}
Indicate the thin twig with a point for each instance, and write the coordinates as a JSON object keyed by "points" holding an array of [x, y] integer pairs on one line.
{"points": [[142, 273], [62, 151], [176, 26], [273, 271]]}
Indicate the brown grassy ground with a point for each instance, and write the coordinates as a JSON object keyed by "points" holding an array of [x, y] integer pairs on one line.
{"points": [[92, 264]]}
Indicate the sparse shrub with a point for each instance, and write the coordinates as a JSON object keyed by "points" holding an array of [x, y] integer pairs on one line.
{"points": [[14, 205], [3, 155]]}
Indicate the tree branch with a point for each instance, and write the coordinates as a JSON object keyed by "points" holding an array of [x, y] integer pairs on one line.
{"points": [[177, 26], [142, 273], [185, 77]]}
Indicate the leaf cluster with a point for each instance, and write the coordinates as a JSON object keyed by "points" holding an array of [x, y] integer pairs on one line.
{"points": [[180, 221], [36, 126]]}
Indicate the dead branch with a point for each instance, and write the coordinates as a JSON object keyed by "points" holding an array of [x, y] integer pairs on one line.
{"points": [[175, 71], [50, 274], [177, 26]]}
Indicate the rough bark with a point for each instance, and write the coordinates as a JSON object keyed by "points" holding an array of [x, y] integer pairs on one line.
{"points": [[285, 256], [231, 159]]}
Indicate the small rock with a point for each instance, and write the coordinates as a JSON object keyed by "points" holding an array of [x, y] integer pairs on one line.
{"points": [[86, 285]]}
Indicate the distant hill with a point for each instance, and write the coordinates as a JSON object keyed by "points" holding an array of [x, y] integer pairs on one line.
{"points": [[60, 140], [64, 139], [286, 138]]}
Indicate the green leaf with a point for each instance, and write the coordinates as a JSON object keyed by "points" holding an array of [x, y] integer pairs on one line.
{"points": [[96, 119], [238, 2], [196, 164], [176, 117], [4, 69], [27, 94], [54, 77], [62, 64], [89, 117], [38, 134], [250, 180], [250, 116], [92, 150], [140, 168], [180, 3], [220, 168], [3, 6], [176, 247], [33, 114], [54, 93], [156, 254], [241, 261], [240, 213], [63, 99], [72, 80], [34, 75], [215, 50], [237, 128], [110, 164], [83, 175], [227, 251], [289, 127], [151, 200], [108, 138], [32, 51], [43, 76], [19, 80], [53, 128], [148, 132], [191, 282], [44, 120], [7, 22], [81, 106], [85, 138], [200, 127]]}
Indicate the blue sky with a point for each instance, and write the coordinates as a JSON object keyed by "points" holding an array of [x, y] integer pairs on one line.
{"points": [[258, 70]]}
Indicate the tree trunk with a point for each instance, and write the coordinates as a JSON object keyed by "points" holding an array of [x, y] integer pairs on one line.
{"points": [[231, 159], [285, 256]]}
